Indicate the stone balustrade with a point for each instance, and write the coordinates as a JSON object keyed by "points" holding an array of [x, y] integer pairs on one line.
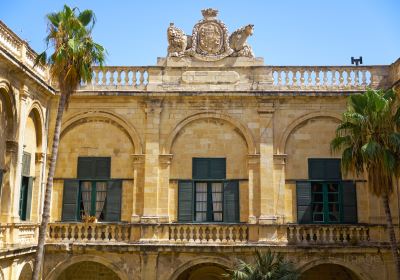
{"points": [[262, 78], [192, 234], [135, 78], [198, 233], [21, 51], [333, 234]]}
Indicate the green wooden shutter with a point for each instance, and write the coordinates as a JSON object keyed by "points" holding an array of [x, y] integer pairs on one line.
{"points": [[333, 169], [304, 211], [209, 168], [22, 198], [349, 199], [324, 169], [113, 201], [70, 200], [200, 168], [26, 164], [29, 198], [86, 167], [102, 168], [217, 168], [231, 202], [185, 201], [1, 178]]}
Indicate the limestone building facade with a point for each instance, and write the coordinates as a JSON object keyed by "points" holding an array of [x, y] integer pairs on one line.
{"points": [[175, 171]]}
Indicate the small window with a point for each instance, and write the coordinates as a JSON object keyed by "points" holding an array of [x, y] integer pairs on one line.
{"points": [[94, 167], [209, 168], [324, 169]]}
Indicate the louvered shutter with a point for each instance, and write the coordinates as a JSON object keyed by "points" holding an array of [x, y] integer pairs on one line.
{"points": [[102, 167], [26, 164], [200, 168], [217, 168], [332, 169], [304, 213], [113, 201], [185, 201], [86, 168], [1, 178], [29, 198], [324, 169], [70, 200], [349, 199], [231, 202]]}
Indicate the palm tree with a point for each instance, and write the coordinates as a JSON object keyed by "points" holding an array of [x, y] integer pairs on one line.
{"points": [[369, 141], [73, 54], [267, 266]]}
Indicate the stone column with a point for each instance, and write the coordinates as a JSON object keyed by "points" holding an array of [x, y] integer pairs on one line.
{"points": [[137, 192], [163, 188], [151, 164], [253, 162], [8, 179], [23, 94], [267, 191]]}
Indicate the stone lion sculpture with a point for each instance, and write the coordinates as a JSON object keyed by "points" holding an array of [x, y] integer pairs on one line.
{"points": [[178, 41], [238, 41]]}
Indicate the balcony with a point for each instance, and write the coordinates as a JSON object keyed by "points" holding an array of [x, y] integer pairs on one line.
{"points": [[217, 234]]}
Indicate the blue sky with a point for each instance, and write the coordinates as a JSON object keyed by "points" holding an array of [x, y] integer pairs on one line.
{"points": [[287, 32]]}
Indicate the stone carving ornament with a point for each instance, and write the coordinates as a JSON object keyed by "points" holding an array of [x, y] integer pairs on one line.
{"points": [[210, 40]]}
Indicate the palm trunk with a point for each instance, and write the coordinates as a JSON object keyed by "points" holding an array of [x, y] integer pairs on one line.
{"points": [[49, 186], [392, 236]]}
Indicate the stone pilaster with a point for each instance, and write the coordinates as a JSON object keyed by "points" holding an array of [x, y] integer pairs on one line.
{"points": [[24, 93], [151, 164], [279, 161], [163, 187], [138, 182], [253, 163], [267, 190]]}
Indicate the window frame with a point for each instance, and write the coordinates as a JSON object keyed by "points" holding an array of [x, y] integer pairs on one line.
{"points": [[209, 202], [325, 202], [93, 197]]}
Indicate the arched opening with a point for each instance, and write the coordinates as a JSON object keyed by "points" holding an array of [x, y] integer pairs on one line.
{"points": [[87, 270], [7, 147], [204, 271], [30, 170], [26, 272], [328, 272]]}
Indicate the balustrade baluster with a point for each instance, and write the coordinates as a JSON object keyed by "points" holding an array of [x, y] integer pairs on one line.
{"points": [[223, 240], [112, 231], [302, 78], [112, 73], [280, 78], [363, 78], [191, 234], [317, 78], [197, 232], [104, 78], [244, 234], [119, 79], [141, 80], [294, 78], [334, 81], [341, 78], [349, 79], [230, 234], [309, 80], [325, 78], [287, 81], [356, 78]]}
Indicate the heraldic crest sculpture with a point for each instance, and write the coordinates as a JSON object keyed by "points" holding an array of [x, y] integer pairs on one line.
{"points": [[210, 40]]}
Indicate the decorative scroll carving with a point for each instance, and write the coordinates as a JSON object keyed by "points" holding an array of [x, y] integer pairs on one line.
{"points": [[210, 40]]}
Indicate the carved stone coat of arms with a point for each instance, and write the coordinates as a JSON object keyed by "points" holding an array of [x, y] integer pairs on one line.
{"points": [[210, 40]]}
